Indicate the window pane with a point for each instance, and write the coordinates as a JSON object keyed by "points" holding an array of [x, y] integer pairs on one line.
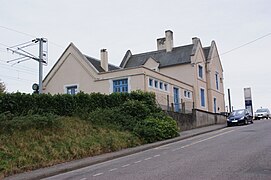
{"points": [[120, 85], [216, 81], [200, 71], [156, 84], [150, 82], [165, 87], [72, 90], [161, 85], [202, 96]]}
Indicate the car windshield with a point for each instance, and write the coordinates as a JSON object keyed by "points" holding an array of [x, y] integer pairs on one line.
{"points": [[237, 112], [261, 110]]}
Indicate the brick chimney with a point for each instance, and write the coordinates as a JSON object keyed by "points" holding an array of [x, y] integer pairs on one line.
{"points": [[166, 42], [104, 59]]}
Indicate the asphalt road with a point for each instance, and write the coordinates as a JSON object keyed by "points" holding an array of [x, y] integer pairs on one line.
{"points": [[240, 152]]}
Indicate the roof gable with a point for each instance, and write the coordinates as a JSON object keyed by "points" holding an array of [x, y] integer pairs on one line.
{"points": [[71, 49], [151, 63]]}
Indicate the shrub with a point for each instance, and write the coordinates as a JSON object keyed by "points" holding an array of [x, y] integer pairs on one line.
{"points": [[153, 129]]}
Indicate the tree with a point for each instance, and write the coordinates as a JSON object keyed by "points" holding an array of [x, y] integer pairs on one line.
{"points": [[2, 87]]}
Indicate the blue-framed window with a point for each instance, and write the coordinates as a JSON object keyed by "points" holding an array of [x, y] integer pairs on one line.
{"points": [[165, 87], [161, 85], [217, 80], [156, 84], [120, 85], [202, 97], [200, 71], [151, 82], [71, 89]]}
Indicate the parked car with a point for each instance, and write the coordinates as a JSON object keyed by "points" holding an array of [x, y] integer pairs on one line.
{"points": [[241, 116], [262, 113]]}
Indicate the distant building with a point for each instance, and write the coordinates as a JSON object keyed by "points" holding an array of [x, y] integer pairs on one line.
{"points": [[183, 76]]}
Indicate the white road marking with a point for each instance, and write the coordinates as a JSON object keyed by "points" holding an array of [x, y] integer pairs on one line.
{"points": [[114, 169], [147, 158], [137, 161], [193, 143], [98, 174], [157, 155], [83, 179], [183, 140], [175, 149], [125, 165]]}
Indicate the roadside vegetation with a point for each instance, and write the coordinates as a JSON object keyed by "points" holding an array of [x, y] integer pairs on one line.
{"points": [[42, 130]]}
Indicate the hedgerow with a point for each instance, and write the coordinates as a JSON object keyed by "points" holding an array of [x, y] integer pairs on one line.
{"points": [[68, 105]]}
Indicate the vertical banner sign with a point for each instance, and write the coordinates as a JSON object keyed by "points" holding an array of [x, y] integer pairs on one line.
{"points": [[248, 100]]}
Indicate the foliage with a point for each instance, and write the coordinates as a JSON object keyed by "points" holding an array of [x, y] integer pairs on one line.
{"points": [[33, 148], [136, 117], [68, 105], [10, 123], [154, 129], [2, 87], [40, 130]]}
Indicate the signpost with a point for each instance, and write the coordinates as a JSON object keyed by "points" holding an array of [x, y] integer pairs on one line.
{"points": [[248, 100]]}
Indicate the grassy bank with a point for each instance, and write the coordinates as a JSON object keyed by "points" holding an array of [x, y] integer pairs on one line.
{"points": [[42, 130], [72, 138]]}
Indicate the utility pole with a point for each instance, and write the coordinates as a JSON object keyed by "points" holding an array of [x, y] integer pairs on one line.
{"points": [[229, 97], [42, 59]]}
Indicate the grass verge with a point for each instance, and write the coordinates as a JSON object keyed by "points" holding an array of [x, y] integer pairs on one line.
{"points": [[72, 138]]}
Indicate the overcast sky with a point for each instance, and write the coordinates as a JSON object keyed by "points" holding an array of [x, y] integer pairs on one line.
{"points": [[119, 25]]}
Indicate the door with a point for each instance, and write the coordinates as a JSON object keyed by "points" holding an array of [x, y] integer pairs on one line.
{"points": [[176, 99]]}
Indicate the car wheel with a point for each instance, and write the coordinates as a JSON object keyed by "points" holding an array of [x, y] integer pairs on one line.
{"points": [[228, 124], [246, 122]]}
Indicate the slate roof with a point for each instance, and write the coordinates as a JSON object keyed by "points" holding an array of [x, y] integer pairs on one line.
{"points": [[97, 64], [206, 51], [178, 55]]}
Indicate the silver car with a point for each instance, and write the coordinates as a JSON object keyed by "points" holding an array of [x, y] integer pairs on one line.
{"points": [[262, 113]]}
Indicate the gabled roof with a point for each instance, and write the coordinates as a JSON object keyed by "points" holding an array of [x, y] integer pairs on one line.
{"points": [[178, 55], [97, 64]]}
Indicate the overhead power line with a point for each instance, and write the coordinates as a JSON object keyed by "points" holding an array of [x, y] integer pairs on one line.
{"points": [[10, 29], [250, 42], [17, 31], [16, 78]]}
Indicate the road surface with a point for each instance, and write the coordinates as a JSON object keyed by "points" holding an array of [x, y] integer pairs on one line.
{"points": [[239, 152]]}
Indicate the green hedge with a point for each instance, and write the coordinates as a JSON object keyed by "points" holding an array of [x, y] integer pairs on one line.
{"points": [[136, 117], [68, 105]]}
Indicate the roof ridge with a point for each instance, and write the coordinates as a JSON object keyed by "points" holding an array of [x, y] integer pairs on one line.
{"points": [[158, 51]]}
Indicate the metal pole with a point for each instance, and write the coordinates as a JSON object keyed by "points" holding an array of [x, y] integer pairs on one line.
{"points": [[229, 97], [40, 64]]}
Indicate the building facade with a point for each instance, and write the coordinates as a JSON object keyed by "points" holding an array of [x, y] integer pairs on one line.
{"points": [[181, 77]]}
